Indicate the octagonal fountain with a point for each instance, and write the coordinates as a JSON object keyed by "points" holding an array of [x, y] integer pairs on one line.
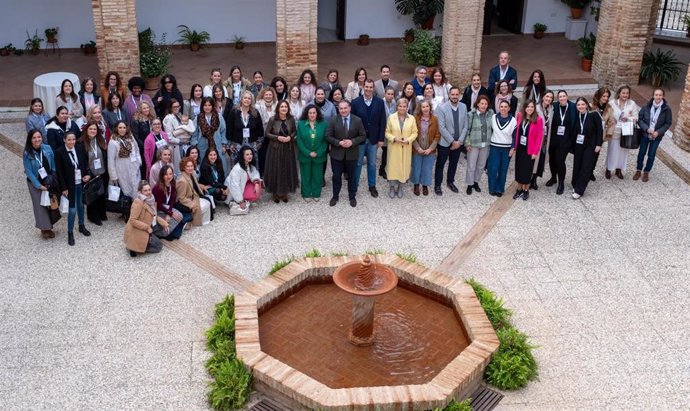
{"points": [[401, 336]]}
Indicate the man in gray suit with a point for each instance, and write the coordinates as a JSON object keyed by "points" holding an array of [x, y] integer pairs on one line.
{"points": [[345, 133], [452, 122], [385, 81]]}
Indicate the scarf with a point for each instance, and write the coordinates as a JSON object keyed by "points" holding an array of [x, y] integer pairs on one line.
{"points": [[500, 97], [125, 147], [149, 202], [320, 105], [209, 130]]}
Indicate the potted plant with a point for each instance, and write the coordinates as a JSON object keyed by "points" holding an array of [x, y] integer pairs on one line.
{"points": [[363, 40], [423, 11], [660, 68], [195, 39], [576, 7], [539, 29], [409, 35], [89, 48], [586, 45], [51, 34], [239, 42], [686, 20], [33, 43], [154, 58], [5, 51], [425, 50]]}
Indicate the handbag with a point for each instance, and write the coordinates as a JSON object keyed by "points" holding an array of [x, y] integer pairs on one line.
{"points": [[172, 224], [54, 209], [632, 141], [93, 190], [64, 205], [235, 209], [123, 205], [113, 192]]}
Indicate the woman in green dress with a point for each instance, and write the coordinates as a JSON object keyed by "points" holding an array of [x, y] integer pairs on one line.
{"points": [[312, 149]]}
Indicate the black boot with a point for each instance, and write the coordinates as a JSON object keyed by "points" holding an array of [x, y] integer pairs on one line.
{"points": [[476, 187], [83, 230], [70, 238], [552, 181], [560, 188], [534, 185]]}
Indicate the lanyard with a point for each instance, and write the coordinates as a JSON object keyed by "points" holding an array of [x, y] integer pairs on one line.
{"points": [[41, 159], [73, 158], [582, 124], [215, 174], [245, 119], [524, 127], [93, 148], [563, 113], [535, 94], [136, 105], [168, 193], [119, 116]]}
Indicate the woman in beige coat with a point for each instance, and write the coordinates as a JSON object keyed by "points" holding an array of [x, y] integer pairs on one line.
{"points": [[189, 193], [401, 131], [139, 236]]}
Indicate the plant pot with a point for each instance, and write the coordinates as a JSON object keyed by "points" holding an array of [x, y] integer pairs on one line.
{"points": [[4, 52], [89, 50], [538, 34], [194, 46], [152, 83], [363, 40], [239, 46], [586, 64], [51, 39], [575, 13], [409, 38], [34, 52], [428, 23]]}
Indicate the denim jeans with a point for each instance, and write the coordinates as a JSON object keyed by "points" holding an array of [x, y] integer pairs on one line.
{"points": [[369, 150], [497, 168], [647, 147], [177, 232], [77, 210], [422, 169], [445, 153]]}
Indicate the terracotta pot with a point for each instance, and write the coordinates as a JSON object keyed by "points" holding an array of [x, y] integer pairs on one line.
{"points": [[409, 38], [586, 65], [152, 83], [194, 46], [89, 50], [4, 52], [429, 23], [575, 13], [363, 40], [538, 34]]}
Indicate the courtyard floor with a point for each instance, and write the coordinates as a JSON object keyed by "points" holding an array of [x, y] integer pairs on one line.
{"points": [[600, 284]]}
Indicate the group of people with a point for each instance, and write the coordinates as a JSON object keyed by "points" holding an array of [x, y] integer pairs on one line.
{"points": [[177, 159]]}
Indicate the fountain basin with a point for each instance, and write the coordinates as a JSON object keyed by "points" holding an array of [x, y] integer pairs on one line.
{"points": [[455, 379]]}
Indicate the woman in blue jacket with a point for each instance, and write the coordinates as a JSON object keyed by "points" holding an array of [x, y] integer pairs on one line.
{"points": [[39, 167]]}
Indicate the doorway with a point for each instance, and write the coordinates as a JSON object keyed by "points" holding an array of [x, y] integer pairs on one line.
{"points": [[331, 20], [507, 14]]}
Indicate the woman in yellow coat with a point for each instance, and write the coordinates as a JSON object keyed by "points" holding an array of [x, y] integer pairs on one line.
{"points": [[401, 131]]}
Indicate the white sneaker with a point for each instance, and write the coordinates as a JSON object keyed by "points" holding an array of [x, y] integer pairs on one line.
{"points": [[576, 196]]}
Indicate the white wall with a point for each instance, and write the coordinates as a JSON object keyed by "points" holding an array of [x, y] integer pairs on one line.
{"points": [[252, 19], [327, 14], [74, 18], [553, 13], [378, 19]]}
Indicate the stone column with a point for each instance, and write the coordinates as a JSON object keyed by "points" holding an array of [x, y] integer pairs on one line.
{"points": [[621, 39], [296, 35], [117, 37], [681, 134], [461, 51]]}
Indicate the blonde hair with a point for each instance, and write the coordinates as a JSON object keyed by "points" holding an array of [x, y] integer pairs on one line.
{"points": [[139, 116]]}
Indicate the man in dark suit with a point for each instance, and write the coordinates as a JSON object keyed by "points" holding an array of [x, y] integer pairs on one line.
{"points": [[372, 111], [345, 133], [502, 71]]}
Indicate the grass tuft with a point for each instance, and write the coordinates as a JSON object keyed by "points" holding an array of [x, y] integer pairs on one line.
{"points": [[408, 257], [280, 264], [313, 253], [493, 305]]}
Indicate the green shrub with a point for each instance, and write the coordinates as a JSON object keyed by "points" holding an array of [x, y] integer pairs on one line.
{"points": [[513, 365], [457, 406], [313, 253], [493, 306], [223, 329], [407, 256], [280, 264], [425, 50], [230, 390], [660, 68]]}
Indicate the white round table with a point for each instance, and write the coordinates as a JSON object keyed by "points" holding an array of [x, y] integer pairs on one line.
{"points": [[47, 87]]}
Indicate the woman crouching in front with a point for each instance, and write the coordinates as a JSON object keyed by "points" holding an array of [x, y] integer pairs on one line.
{"points": [[139, 237]]}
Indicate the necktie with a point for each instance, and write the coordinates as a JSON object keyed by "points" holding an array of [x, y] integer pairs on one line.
{"points": [[345, 122], [74, 159]]}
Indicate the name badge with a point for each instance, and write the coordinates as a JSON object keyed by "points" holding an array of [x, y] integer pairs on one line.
{"points": [[132, 156], [245, 132], [523, 140], [77, 175], [580, 139], [161, 143], [97, 163], [42, 172], [561, 130]]}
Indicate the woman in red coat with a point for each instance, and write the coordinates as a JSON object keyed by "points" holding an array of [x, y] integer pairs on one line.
{"points": [[528, 137]]}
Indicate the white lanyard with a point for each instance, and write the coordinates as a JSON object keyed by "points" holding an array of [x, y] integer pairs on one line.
{"points": [[582, 124], [168, 193], [136, 105], [563, 113], [119, 115], [245, 120], [73, 158], [535, 94], [37, 159], [524, 128], [208, 119]]}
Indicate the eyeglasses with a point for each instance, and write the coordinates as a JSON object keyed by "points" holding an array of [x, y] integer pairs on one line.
{"points": [[167, 82]]}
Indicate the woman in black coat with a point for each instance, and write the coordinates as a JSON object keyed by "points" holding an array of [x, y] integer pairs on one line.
{"points": [[72, 166], [213, 175], [167, 91], [245, 128], [562, 129], [472, 91], [655, 118], [588, 137], [58, 126]]}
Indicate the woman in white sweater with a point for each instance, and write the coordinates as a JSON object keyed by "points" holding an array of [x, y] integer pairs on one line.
{"points": [[501, 148], [244, 181], [124, 160], [179, 129], [625, 112]]}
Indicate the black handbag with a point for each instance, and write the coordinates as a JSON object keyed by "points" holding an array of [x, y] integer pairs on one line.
{"points": [[93, 190], [632, 141], [123, 205]]}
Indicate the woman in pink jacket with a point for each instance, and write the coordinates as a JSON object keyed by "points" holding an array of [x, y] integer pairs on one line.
{"points": [[528, 137], [156, 140]]}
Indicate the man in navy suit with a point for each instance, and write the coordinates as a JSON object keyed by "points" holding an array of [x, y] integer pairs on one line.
{"points": [[502, 71], [372, 111]]}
